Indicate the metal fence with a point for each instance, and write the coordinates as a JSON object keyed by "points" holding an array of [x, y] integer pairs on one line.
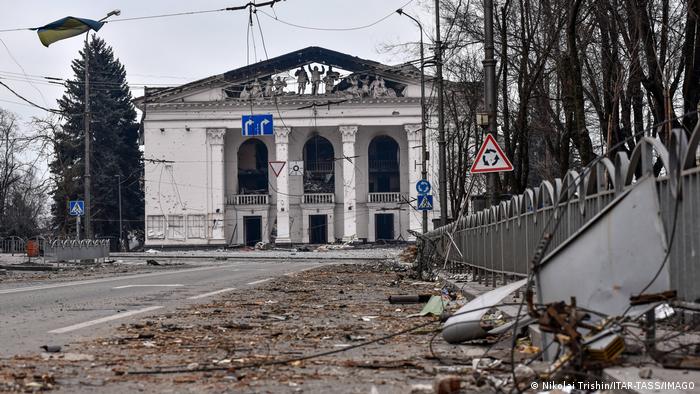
{"points": [[67, 250], [57, 249], [497, 243], [12, 245]]}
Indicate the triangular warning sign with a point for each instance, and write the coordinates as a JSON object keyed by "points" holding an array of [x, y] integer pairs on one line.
{"points": [[277, 167], [490, 158]]}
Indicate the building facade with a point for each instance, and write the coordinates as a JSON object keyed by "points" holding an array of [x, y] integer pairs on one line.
{"points": [[339, 162]]}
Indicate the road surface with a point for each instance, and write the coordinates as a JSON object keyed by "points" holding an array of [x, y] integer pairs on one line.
{"points": [[58, 313]]}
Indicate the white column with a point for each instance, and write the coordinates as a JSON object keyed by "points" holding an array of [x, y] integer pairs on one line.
{"points": [[349, 190], [414, 174], [282, 154], [216, 192]]}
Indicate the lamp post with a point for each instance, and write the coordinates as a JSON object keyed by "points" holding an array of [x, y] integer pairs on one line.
{"points": [[86, 124], [424, 155]]}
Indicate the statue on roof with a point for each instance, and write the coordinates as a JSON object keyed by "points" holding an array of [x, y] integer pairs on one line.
{"points": [[255, 89], [330, 78], [245, 94], [302, 79], [279, 86], [365, 86], [316, 78], [353, 89], [378, 88], [269, 87]]}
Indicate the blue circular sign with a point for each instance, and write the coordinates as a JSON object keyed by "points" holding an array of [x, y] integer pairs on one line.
{"points": [[423, 186]]}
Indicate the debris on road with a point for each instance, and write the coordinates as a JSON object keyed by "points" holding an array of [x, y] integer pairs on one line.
{"points": [[330, 327]]}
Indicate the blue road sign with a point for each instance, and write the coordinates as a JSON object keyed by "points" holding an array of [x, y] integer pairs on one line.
{"points": [[256, 125], [423, 186], [76, 207], [425, 202]]}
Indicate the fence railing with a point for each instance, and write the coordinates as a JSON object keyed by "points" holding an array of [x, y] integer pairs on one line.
{"points": [[67, 250], [248, 199], [13, 245], [319, 166], [502, 240], [383, 165], [319, 198], [56, 249], [379, 198]]}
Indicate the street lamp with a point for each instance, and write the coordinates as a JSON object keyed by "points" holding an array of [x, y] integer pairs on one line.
{"points": [[424, 170], [86, 122]]}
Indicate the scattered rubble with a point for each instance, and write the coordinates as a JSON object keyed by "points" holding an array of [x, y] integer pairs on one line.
{"points": [[331, 327]]}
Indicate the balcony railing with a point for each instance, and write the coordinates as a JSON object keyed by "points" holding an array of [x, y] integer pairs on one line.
{"points": [[319, 166], [319, 198], [381, 198], [248, 199], [383, 165]]}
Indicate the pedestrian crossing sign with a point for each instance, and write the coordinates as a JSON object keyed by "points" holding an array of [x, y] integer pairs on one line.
{"points": [[76, 207], [425, 202]]}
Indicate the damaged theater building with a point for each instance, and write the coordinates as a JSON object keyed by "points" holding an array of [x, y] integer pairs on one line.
{"points": [[337, 160]]}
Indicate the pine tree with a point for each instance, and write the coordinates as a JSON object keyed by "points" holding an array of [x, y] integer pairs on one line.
{"points": [[114, 146]]}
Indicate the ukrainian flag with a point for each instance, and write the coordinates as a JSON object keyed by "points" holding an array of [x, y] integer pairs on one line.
{"points": [[65, 28]]}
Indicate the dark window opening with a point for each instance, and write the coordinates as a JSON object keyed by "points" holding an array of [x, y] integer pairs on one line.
{"points": [[319, 166], [383, 166], [252, 168]]}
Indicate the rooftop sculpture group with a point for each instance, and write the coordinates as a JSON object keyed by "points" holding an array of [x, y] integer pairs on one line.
{"points": [[366, 86]]}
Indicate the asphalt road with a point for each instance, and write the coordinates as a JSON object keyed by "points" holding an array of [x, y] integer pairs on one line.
{"points": [[57, 313]]}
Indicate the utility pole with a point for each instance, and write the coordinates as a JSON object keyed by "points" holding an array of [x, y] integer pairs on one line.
{"points": [[490, 90], [424, 148], [442, 176], [119, 184], [86, 123]]}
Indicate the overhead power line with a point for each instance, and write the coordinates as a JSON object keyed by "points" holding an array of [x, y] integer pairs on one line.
{"points": [[270, 3], [333, 28], [33, 104]]}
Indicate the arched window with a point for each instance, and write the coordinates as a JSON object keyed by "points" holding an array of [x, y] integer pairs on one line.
{"points": [[319, 174], [252, 167], [383, 156]]}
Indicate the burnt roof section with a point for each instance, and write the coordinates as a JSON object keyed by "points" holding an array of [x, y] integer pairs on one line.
{"points": [[323, 56], [404, 72]]}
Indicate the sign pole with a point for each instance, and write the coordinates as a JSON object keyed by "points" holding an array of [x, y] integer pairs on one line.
{"points": [[77, 227]]}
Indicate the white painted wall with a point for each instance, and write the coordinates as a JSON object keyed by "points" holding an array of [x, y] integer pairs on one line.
{"points": [[183, 187]]}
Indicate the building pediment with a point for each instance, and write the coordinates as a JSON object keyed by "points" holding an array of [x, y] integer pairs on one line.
{"points": [[311, 71]]}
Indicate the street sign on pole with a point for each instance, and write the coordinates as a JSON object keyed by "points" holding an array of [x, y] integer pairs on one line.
{"points": [[257, 125], [490, 158], [425, 202], [76, 208], [277, 167], [423, 187]]}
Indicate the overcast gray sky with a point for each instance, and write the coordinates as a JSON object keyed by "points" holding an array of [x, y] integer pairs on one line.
{"points": [[179, 49]]}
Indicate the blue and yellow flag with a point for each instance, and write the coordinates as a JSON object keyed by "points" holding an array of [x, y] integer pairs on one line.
{"points": [[67, 27]]}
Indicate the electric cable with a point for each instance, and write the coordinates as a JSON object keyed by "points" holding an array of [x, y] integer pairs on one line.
{"points": [[312, 355], [333, 28]]}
